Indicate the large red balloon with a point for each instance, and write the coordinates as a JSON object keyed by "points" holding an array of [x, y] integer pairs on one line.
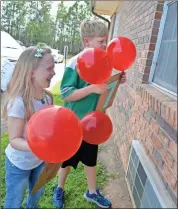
{"points": [[97, 127], [94, 66], [122, 52], [54, 134]]}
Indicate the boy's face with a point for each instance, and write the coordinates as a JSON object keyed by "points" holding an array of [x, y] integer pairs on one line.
{"points": [[96, 42]]}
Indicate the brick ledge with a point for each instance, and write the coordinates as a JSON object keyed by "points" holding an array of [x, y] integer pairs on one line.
{"points": [[163, 104]]}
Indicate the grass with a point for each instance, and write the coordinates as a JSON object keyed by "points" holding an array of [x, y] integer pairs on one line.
{"points": [[55, 90], [76, 182]]}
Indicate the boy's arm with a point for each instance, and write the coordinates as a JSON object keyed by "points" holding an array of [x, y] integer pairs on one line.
{"points": [[69, 91], [79, 94]]}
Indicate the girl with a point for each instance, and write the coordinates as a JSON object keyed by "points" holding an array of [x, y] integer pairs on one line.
{"points": [[25, 95]]}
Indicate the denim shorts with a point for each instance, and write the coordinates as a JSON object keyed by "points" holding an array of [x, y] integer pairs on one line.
{"points": [[17, 181]]}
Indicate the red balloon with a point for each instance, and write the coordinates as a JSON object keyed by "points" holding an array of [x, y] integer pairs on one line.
{"points": [[54, 134], [94, 66], [97, 127], [122, 52]]}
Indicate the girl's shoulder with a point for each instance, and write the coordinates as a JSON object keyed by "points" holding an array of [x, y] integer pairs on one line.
{"points": [[15, 107], [15, 101]]}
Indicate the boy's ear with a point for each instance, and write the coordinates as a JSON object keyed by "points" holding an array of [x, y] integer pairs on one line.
{"points": [[86, 41]]}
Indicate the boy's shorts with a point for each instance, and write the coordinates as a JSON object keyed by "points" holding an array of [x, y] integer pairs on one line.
{"points": [[87, 154]]}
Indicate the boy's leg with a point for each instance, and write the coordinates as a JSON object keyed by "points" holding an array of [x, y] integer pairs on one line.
{"points": [[16, 184], [63, 173], [91, 178], [32, 200], [89, 154], [58, 195]]}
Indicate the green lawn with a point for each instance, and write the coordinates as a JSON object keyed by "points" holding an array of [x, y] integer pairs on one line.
{"points": [[76, 182], [55, 90]]}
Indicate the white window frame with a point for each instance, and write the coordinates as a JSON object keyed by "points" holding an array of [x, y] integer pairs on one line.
{"points": [[157, 50], [116, 24]]}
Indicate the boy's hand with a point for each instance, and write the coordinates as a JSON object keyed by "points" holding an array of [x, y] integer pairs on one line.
{"points": [[98, 88], [123, 78]]}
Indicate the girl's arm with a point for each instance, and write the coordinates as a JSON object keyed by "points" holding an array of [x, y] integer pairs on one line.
{"points": [[15, 130]]}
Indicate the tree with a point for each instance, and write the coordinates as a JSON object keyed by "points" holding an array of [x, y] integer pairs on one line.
{"points": [[31, 22], [13, 16], [40, 25], [76, 14], [60, 25]]}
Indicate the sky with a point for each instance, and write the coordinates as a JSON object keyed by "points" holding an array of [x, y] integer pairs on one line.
{"points": [[55, 3], [54, 6]]}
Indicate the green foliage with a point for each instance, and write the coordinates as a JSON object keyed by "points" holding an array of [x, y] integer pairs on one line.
{"points": [[31, 22]]}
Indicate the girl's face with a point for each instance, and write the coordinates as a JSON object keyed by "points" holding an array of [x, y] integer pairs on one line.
{"points": [[43, 74]]}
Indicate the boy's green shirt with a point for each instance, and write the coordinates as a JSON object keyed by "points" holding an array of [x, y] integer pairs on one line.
{"points": [[71, 81]]}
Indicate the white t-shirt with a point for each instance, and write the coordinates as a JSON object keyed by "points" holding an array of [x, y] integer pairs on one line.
{"points": [[21, 159]]}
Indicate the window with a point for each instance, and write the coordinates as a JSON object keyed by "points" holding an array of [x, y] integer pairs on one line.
{"points": [[164, 67], [116, 25]]}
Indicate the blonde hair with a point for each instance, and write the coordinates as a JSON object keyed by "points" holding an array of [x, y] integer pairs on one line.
{"points": [[21, 81], [93, 28]]}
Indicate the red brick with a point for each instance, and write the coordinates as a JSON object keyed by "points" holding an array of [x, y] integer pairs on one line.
{"points": [[150, 55], [163, 152], [145, 105], [149, 99], [152, 47], [137, 117], [141, 110], [173, 149], [149, 133], [153, 39], [133, 25], [153, 159], [143, 54], [165, 112], [158, 15], [147, 46], [123, 152], [149, 144], [173, 118], [169, 159], [161, 1], [155, 31], [156, 141], [164, 137], [147, 70], [172, 180], [143, 134], [156, 106], [154, 126], [174, 168], [175, 189], [138, 135]]}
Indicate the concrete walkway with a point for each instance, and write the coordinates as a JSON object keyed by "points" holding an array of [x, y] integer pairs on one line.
{"points": [[116, 188]]}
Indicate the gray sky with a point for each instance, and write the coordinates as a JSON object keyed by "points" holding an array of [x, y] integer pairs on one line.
{"points": [[54, 6], [55, 3]]}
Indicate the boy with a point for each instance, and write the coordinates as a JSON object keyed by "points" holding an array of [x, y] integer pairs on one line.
{"points": [[82, 98]]}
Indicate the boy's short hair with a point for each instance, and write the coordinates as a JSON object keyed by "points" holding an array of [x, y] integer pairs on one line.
{"points": [[93, 28]]}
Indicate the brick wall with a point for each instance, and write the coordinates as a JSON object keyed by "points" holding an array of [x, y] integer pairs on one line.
{"points": [[143, 112]]}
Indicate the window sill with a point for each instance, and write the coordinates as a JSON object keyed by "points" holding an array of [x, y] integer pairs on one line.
{"points": [[162, 103]]}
